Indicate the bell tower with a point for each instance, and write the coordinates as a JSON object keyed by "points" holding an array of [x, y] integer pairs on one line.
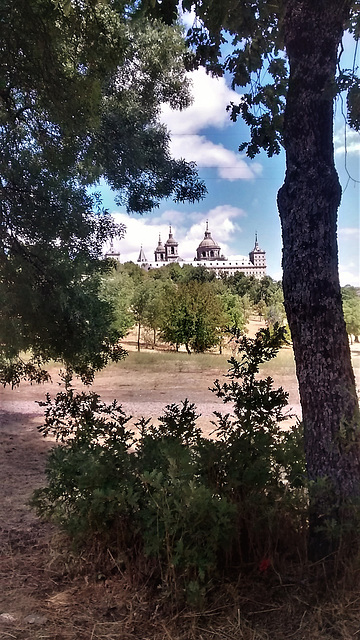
{"points": [[257, 256], [160, 251], [171, 248]]}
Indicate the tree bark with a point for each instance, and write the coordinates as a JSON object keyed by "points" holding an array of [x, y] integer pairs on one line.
{"points": [[308, 203]]}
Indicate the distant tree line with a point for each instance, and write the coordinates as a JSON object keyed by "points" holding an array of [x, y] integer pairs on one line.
{"points": [[189, 306]]}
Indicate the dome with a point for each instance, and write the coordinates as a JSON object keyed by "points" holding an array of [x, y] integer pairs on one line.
{"points": [[171, 240], [208, 242], [160, 246], [208, 249]]}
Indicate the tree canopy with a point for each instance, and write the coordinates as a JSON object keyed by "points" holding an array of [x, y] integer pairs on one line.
{"points": [[249, 41], [186, 305], [81, 85]]}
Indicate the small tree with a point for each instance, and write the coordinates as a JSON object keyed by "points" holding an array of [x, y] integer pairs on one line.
{"points": [[158, 291], [193, 317], [234, 314], [118, 290], [138, 307], [275, 310]]}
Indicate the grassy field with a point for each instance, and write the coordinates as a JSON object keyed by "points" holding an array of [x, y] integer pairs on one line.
{"points": [[144, 383]]}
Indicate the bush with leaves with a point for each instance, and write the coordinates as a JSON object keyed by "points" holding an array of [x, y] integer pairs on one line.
{"points": [[91, 484], [184, 523], [254, 462], [171, 500]]}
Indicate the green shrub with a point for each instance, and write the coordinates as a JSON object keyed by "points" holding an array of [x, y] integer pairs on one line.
{"points": [[256, 464], [91, 482], [193, 507]]}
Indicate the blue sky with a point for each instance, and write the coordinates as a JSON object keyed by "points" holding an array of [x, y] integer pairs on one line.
{"points": [[241, 196]]}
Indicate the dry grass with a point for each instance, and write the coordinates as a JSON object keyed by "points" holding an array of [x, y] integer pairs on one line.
{"points": [[48, 601], [48, 593]]}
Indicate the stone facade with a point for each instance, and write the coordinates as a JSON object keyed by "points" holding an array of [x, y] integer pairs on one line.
{"points": [[208, 254]]}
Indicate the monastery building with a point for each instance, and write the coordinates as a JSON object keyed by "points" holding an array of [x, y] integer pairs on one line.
{"points": [[208, 254]]}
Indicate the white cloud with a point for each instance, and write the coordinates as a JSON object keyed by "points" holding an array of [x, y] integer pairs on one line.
{"points": [[352, 232], [348, 144], [139, 231], [349, 274], [210, 99], [170, 216], [222, 225], [231, 166]]}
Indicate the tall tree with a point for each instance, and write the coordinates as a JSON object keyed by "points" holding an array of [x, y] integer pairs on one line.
{"points": [[138, 308], [159, 291], [193, 316], [117, 287], [287, 55], [80, 93]]}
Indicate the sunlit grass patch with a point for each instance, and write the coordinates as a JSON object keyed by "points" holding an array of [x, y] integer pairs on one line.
{"points": [[154, 361]]}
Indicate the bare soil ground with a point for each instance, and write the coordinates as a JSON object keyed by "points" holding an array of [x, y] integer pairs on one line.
{"points": [[42, 595]]}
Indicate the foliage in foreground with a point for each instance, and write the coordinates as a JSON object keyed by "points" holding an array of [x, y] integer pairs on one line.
{"points": [[82, 84], [176, 505]]}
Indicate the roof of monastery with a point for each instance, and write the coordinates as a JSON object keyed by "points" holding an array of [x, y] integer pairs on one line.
{"points": [[208, 254], [141, 257]]}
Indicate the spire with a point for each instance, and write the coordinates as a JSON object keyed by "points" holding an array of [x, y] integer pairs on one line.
{"points": [[171, 247], [112, 253], [256, 247], [207, 225], [141, 257], [160, 246]]}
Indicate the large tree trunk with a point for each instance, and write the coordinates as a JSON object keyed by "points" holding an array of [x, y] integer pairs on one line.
{"points": [[308, 203]]}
